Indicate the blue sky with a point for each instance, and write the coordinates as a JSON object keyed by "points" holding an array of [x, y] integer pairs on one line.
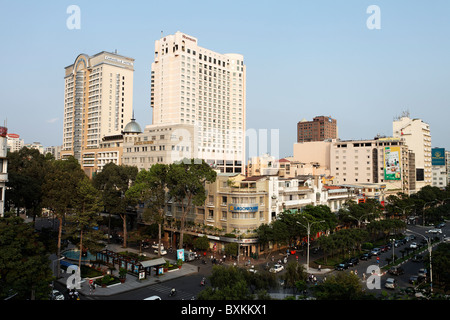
{"points": [[303, 58]]}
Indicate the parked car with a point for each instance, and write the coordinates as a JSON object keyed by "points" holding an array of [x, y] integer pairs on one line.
{"points": [[375, 251], [384, 248], [352, 262], [276, 268], [391, 283], [56, 295], [365, 256], [440, 225], [341, 266], [396, 271], [413, 245]]}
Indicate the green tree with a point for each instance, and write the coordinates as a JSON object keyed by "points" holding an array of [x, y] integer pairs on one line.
{"points": [[231, 249], [294, 272], [356, 213], [114, 181], [186, 185], [227, 283], [60, 190], [343, 286], [26, 174], [24, 264], [150, 187], [441, 266], [82, 224], [202, 243]]}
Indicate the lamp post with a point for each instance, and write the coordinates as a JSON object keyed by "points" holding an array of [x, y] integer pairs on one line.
{"points": [[308, 230], [430, 248], [404, 209], [360, 218], [393, 246]]}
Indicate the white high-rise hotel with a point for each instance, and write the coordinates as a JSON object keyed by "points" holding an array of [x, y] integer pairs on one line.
{"points": [[196, 86]]}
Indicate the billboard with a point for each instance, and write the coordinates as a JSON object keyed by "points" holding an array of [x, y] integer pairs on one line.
{"points": [[438, 157], [392, 165]]}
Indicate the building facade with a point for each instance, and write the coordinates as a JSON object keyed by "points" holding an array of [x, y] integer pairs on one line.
{"points": [[14, 142], [416, 135], [158, 143], [3, 167], [439, 167], [197, 86], [319, 129], [98, 102], [238, 205], [380, 160]]}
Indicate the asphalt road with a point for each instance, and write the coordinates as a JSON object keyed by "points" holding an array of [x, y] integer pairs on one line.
{"points": [[189, 286]]}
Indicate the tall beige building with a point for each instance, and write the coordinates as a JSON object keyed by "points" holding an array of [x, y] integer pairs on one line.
{"points": [[385, 161], [416, 135], [197, 86], [98, 102]]}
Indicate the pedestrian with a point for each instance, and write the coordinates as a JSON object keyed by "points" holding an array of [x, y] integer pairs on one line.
{"points": [[320, 267], [364, 277]]}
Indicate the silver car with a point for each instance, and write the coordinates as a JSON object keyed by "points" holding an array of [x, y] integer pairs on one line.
{"points": [[391, 283]]}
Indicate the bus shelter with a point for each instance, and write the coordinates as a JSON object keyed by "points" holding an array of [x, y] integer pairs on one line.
{"points": [[135, 266]]}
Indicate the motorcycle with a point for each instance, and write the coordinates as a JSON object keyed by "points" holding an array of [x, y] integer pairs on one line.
{"points": [[203, 282], [172, 292]]}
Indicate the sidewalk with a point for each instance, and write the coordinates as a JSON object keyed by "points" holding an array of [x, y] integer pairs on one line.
{"points": [[132, 282]]}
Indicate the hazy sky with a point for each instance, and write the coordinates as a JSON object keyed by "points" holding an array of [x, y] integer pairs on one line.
{"points": [[303, 58]]}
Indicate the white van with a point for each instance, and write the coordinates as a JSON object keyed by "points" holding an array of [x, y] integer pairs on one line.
{"points": [[189, 256]]}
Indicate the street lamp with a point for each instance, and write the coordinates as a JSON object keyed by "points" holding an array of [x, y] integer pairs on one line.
{"points": [[360, 218], [393, 246], [430, 248], [404, 209], [308, 230]]}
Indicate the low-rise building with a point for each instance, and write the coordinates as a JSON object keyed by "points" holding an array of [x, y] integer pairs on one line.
{"points": [[238, 205]]}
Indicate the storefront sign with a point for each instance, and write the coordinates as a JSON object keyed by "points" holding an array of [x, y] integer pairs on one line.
{"points": [[251, 207]]}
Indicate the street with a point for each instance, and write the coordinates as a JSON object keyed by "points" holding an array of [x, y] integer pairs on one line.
{"points": [[189, 286]]}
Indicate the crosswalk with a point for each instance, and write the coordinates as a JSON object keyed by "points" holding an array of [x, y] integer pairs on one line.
{"points": [[165, 290]]}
